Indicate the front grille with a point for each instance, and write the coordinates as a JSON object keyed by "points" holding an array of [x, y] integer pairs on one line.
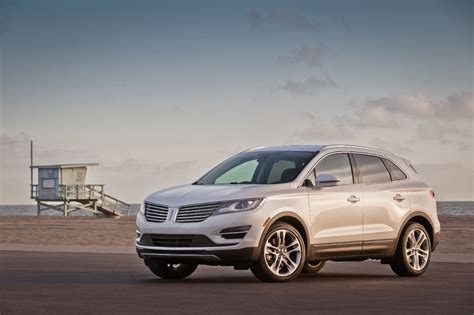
{"points": [[176, 240], [155, 212], [196, 213]]}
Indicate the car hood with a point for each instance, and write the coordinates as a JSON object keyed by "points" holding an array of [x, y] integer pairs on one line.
{"points": [[195, 194]]}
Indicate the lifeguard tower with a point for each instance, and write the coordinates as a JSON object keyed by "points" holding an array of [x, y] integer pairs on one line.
{"points": [[63, 188]]}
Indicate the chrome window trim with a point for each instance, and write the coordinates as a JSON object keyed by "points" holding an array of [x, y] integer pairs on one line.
{"points": [[319, 158]]}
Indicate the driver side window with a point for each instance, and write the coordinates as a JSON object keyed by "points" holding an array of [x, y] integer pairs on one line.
{"points": [[337, 165]]}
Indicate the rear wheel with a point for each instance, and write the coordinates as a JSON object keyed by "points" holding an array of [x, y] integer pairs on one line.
{"points": [[282, 255], [313, 267], [167, 270], [413, 252]]}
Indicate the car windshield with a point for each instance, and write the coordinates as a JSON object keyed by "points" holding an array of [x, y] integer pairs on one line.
{"points": [[261, 167]]}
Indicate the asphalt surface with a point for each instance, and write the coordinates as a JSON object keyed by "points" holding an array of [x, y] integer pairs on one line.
{"points": [[32, 282]]}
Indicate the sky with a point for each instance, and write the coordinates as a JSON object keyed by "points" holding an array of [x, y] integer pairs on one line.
{"points": [[158, 92]]}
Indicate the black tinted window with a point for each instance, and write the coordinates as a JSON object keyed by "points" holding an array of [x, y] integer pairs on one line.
{"points": [[337, 165], [372, 169], [395, 172]]}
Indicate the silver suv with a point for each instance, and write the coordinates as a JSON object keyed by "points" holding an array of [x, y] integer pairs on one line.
{"points": [[284, 210]]}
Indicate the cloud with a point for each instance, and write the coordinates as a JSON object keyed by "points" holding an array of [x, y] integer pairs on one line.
{"points": [[456, 106], [442, 132], [320, 130], [410, 105], [384, 112], [396, 148], [310, 56], [308, 86], [284, 19], [377, 116]]}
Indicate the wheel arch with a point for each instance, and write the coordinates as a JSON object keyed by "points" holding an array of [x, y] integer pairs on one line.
{"points": [[424, 220], [292, 219]]}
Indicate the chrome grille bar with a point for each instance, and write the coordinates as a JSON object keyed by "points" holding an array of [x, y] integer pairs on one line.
{"points": [[196, 213], [155, 212]]}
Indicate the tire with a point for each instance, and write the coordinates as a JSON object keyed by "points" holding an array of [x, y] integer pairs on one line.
{"points": [[313, 267], [282, 255], [413, 253], [167, 270]]}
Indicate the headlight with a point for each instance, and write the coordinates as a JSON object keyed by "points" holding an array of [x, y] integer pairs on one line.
{"points": [[142, 209], [238, 205]]}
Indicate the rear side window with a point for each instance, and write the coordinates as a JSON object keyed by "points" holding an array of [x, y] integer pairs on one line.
{"points": [[372, 169], [395, 171]]}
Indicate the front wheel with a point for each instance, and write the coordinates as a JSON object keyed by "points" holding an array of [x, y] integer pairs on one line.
{"points": [[167, 270], [282, 255], [413, 252]]}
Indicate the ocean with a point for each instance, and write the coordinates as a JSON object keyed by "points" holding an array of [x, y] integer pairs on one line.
{"points": [[445, 208]]}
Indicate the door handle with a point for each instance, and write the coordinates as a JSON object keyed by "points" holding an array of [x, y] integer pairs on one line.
{"points": [[353, 199], [398, 197]]}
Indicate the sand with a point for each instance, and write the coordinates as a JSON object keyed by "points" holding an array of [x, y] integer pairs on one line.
{"points": [[457, 233]]}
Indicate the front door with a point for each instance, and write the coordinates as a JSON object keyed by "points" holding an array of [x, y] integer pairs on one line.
{"points": [[336, 208]]}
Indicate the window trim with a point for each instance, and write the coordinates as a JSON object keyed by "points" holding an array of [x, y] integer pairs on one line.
{"points": [[313, 169], [356, 170]]}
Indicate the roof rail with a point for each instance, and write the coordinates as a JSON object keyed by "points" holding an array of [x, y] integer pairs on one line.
{"points": [[353, 146]]}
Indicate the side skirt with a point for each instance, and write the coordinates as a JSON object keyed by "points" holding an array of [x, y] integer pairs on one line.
{"points": [[377, 249]]}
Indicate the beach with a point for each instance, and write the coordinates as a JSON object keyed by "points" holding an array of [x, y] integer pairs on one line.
{"points": [[457, 232]]}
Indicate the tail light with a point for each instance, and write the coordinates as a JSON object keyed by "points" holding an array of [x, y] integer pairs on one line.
{"points": [[432, 193]]}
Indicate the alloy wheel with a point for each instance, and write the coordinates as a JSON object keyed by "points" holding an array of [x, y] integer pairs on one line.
{"points": [[283, 252], [417, 250]]}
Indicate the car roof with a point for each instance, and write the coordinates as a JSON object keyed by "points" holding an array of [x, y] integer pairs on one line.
{"points": [[305, 148], [316, 148]]}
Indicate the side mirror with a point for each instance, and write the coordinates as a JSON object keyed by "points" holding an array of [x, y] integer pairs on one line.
{"points": [[326, 180]]}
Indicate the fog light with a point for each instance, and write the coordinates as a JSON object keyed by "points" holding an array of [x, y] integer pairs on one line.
{"points": [[243, 228], [137, 236], [235, 232]]}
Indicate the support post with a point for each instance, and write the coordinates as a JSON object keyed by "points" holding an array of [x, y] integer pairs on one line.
{"points": [[31, 166], [38, 208], [65, 208]]}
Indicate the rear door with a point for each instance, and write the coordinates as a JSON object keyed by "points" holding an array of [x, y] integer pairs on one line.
{"points": [[385, 201]]}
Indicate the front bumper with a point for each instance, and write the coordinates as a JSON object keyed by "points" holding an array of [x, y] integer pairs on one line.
{"points": [[218, 251], [201, 256]]}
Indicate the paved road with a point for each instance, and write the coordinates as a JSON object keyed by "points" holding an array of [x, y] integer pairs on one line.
{"points": [[80, 283]]}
